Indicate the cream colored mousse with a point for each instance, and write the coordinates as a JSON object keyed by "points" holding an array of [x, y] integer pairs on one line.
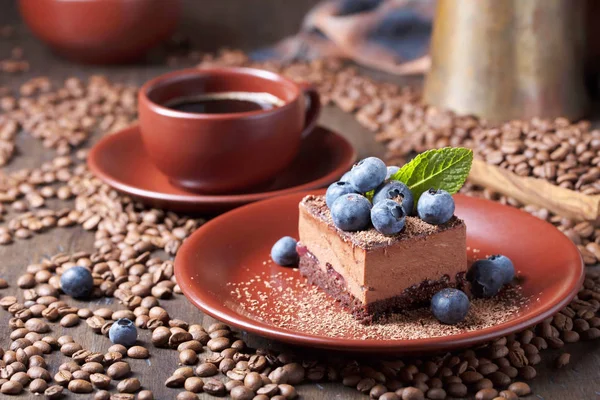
{"points": [[377, 267]]}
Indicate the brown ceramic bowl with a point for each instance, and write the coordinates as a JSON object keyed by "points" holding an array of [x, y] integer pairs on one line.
{"points": [[101, 31], [235, 246], [229, 152]]}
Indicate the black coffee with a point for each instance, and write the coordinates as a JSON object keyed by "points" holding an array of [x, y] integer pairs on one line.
{"points": [[225, 102]]}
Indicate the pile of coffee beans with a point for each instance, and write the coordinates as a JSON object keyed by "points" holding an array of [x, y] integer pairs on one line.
{"points": [[64, 117]]}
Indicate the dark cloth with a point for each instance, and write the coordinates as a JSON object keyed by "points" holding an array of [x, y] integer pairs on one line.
{"points": [[389, 35]]}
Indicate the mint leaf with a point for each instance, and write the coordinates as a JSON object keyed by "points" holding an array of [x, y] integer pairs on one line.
{"points": [[445, 169]]}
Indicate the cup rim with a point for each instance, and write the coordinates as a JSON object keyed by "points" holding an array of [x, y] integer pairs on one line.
{"points": [[174, 75]]}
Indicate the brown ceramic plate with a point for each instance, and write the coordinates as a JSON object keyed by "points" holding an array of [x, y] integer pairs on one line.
{"points": [[120, 161], [235, 246]]}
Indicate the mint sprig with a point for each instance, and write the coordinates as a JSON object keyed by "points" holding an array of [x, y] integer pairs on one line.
{"points": [[445, 168]]}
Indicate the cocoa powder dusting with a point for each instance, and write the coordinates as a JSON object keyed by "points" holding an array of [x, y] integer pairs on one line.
{"points": [[287, 301], [371, 238]]}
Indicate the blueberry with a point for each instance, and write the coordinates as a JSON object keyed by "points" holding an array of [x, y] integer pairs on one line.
{"points": [[346, 177], [337, 189], [388, 217], [284, 251], [368, 174], [506, 265], [391, 170], [450, 306], [351, 212], [395, 190], [77, 282], [436, 207], [486, 278], [123, 332]]}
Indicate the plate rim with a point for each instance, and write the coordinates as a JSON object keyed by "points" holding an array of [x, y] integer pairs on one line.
{"points": [[349, 157], [396, 346]]}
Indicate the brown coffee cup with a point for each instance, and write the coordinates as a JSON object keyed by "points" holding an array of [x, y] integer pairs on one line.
{"points": [[227, 152]]}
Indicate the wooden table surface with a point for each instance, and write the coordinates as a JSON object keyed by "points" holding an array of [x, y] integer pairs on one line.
{"points": [[242, 24]]}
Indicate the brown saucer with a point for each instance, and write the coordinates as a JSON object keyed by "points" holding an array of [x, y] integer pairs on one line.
{"points": [[120, 161], [234, 248]]}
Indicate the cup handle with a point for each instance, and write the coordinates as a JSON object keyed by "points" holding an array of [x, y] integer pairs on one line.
{"points": [[313, 108]]}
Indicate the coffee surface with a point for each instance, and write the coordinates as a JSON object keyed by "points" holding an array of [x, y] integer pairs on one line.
{"points": [[225, 102]]}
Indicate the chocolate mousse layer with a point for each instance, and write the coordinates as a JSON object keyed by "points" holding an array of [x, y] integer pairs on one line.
{"points": [[371, 272], [334, 285]]}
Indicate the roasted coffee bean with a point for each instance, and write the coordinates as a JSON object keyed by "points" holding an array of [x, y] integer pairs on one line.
{"points": [[186, 396], [226, 365], [179, 337], [80, 386], [175, 381], [138, 352], [214, 387], [37, 325], [184, 371], [70, 366], [21, 377], [295, 373], [269, 390], [527, 372], [38, 373], [482, 384], [436, 394], [218, 344], [145, 395], [508, 395], [241, 393], [457, 390], [81, 374], [229, 353], [229, 385], [363, 386], [206, 369], [92, 367], [194, 345], [118, 348], [95, 323], [188, 357], [279, 376], [486, 394], [236, 374], [38, 386], [118, 370], [99, 380], [53, 392], [37, 361], [375, 393], [102, 395], [11, 387], [193, 384], [520, 389], [160, 336], [68, 349], [63, 377], [69, 320], [129, 385], [253, 380], [112, 357]]}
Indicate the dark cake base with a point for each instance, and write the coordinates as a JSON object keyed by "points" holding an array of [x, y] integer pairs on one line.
{"points": [[334, 285]]}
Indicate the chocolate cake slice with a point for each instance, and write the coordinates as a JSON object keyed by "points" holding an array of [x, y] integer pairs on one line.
{"points": [[372, 274]]}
